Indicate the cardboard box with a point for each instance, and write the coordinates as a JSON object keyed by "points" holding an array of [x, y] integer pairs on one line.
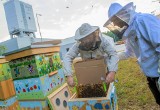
{"points": [[7, 89], [90, 71]]}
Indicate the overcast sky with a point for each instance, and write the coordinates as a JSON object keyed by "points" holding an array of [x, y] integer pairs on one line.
{"points": [[61, 18]]}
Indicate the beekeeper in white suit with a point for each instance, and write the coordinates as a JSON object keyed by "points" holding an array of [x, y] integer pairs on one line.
{"points": [[142, 35], [90, 44]]}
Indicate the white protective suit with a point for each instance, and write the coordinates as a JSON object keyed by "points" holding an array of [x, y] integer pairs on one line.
{"points": [[105, 50]]}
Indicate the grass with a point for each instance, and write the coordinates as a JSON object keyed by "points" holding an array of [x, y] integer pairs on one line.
{"points": [[132, 89]]}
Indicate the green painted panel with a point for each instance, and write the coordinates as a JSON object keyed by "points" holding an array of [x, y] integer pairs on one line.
{"points": [[5, 72]]}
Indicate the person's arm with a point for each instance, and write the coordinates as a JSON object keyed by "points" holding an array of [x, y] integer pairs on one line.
{"points": [[111, 60], [68, 59], [149, 29], [67, 64]]}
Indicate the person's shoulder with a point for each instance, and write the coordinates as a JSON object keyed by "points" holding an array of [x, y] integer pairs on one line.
{"points": [[107, 40], [140, 17]]}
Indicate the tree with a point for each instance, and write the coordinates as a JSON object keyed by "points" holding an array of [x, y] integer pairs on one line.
{"points": [[111, 34]]}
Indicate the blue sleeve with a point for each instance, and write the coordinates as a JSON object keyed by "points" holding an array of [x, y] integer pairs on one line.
{"points": [[149, 28]]}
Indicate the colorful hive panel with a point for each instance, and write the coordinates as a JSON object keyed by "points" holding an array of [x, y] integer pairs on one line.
{"points": [[23, 68], [38, 88], [35, 66], [5, 72], [34, 105]]}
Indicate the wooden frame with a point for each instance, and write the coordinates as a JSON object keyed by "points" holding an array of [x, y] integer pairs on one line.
{"points": [[7, 89], [74, 97], [32, 51], [55, 93], [3, 60]]}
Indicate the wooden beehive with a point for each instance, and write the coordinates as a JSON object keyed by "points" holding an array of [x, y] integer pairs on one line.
{"points": [[89, 73], [37, 72], [34, 62], [99, 103]]}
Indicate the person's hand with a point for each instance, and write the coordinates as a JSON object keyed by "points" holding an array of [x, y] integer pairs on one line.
{"points": [[70, 81], [110, 77]]}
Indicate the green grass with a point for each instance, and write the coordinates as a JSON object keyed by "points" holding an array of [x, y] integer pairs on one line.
{"points": [[132, 89]]}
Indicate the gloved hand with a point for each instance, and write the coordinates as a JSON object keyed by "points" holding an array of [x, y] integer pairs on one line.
{"points": [[70, 81], [110, 77]]}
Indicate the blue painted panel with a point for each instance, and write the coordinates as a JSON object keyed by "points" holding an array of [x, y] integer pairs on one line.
{"points": [[8, 102], [33, 104]]}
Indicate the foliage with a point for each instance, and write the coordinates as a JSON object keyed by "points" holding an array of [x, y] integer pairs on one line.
{"points": [[2, 50], [112, 35]]}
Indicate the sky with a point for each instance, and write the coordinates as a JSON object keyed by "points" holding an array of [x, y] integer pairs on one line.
{"points": [[61, 18]]}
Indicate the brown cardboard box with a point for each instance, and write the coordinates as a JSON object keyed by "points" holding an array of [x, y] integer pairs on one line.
{"points": [[7, 89], [90, 71]]}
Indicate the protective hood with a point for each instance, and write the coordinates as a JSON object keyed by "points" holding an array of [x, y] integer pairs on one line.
{"points": [[120, 18]]}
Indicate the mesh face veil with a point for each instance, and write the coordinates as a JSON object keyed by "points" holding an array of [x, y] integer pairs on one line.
{"points": [[120, 21]]}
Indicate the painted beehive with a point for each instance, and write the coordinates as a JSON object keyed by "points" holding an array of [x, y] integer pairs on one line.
{"points": [[9, 104], [5, 72], [37, 72], [35, 66], [34, 105], [38, 88], [101, 103], [58, 100]]}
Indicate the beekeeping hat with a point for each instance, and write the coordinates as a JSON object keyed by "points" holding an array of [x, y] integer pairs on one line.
{"points": [[120, 11], [119, 18], [84, 30]]}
